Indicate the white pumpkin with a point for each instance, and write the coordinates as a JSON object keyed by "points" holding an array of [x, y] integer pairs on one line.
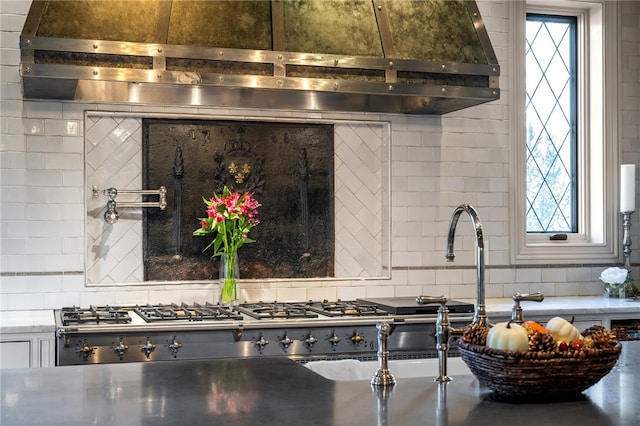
{"points": [[563, 330], [508, 336]]}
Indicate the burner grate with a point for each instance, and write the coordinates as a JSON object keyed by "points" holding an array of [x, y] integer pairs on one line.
{"points": [[268, 310], [185, 312], [345, 308], [95, 315]]}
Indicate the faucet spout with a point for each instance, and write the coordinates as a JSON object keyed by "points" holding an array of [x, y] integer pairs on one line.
{"points": [[480, 315]]}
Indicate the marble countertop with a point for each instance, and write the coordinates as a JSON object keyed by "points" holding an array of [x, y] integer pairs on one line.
{"points": [[551, 306], [40, 321], [277, 391]]}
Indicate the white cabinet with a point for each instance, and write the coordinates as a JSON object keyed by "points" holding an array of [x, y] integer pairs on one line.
{"points": [[26, 350], [27, 339]]}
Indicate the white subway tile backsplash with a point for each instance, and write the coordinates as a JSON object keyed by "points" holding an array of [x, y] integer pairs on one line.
{"points": [[44, 246], [44, 143], [13, 211], [510, 289], [548, 289], [524, 275], [25, 301], [119, 108], [449, 276], [11, 90], [407, 139], [63, 161], [130, 297], [42, 109], [15, 10], [63, 127], [12, 143], [74, 179], [72, 245], [502, 276], [493, 290], [13, 160], [72, 145], [291, 294], [48, 178], [553, 275], [11, 107], [464, 291], [568, 289], [75, 111], [30, 126], [380, 291], [438, 163], [13, 246], [34, 161], [9, 74]]}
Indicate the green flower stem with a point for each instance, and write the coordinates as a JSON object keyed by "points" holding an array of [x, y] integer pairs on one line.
{"points": [[229, 292]]}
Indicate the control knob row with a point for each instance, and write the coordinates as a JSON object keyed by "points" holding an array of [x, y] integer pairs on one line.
{"points": [[286, 341]]}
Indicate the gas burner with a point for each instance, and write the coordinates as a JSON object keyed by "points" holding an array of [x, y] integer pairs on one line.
{"points": [[95, 315], [262, 310], [344, 308], [184, 312]]}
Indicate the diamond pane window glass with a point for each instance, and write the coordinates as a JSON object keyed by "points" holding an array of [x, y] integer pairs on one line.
{"points": [[551, 110]]}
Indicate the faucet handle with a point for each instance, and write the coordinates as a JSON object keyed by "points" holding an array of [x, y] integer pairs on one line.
{"points": [[516, 313]]}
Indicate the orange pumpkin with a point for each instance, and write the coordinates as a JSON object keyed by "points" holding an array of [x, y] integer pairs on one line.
{"points": [[533, 327]]}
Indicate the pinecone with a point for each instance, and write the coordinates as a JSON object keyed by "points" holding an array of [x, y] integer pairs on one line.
{"points": [[602, 339], [542, 342], [593, 329], [476, 334], [530, 330]]}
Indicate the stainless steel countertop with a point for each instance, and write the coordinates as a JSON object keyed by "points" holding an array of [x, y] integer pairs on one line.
{"points": [[275, 391]]}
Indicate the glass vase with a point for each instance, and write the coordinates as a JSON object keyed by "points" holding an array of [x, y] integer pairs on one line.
{"points": [[615, 291], [229, 275]]}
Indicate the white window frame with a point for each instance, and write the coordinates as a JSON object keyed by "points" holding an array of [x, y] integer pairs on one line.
{"points": [[598, 147]]}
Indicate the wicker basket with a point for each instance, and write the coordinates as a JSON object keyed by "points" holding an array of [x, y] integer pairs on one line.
{"points": [[518, 374]]}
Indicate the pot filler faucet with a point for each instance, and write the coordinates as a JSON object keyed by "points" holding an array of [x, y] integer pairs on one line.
{"points": [[444, 331]]}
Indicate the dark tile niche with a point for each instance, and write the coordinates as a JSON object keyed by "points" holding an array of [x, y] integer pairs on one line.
{"points": [[288, 167]]}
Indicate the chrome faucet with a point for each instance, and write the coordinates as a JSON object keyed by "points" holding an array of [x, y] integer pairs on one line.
{"points": [[383, 376], [480, 315], [444, 333]]}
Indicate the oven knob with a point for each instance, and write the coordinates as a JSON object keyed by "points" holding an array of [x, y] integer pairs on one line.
{"points": [[237, 333], [261, 343], [86, 350], [334, 339], [357, 338], [286, 342], [147, 348], [174, 347], [311, 340], [120, 349]]}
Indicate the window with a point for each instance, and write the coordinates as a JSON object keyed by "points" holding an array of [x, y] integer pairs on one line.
{"points": [[564, 127], [551, 52]]}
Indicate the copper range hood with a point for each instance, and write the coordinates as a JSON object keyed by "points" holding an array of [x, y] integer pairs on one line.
{"points": [[383, 56]]}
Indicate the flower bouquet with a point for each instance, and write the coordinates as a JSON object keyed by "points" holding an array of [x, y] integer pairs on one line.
{"points": [[230, 217], [614, 280]]}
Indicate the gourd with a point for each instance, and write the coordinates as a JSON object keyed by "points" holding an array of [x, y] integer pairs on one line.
{"points": [[563, 330], [508, 336], [534, 327]]}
